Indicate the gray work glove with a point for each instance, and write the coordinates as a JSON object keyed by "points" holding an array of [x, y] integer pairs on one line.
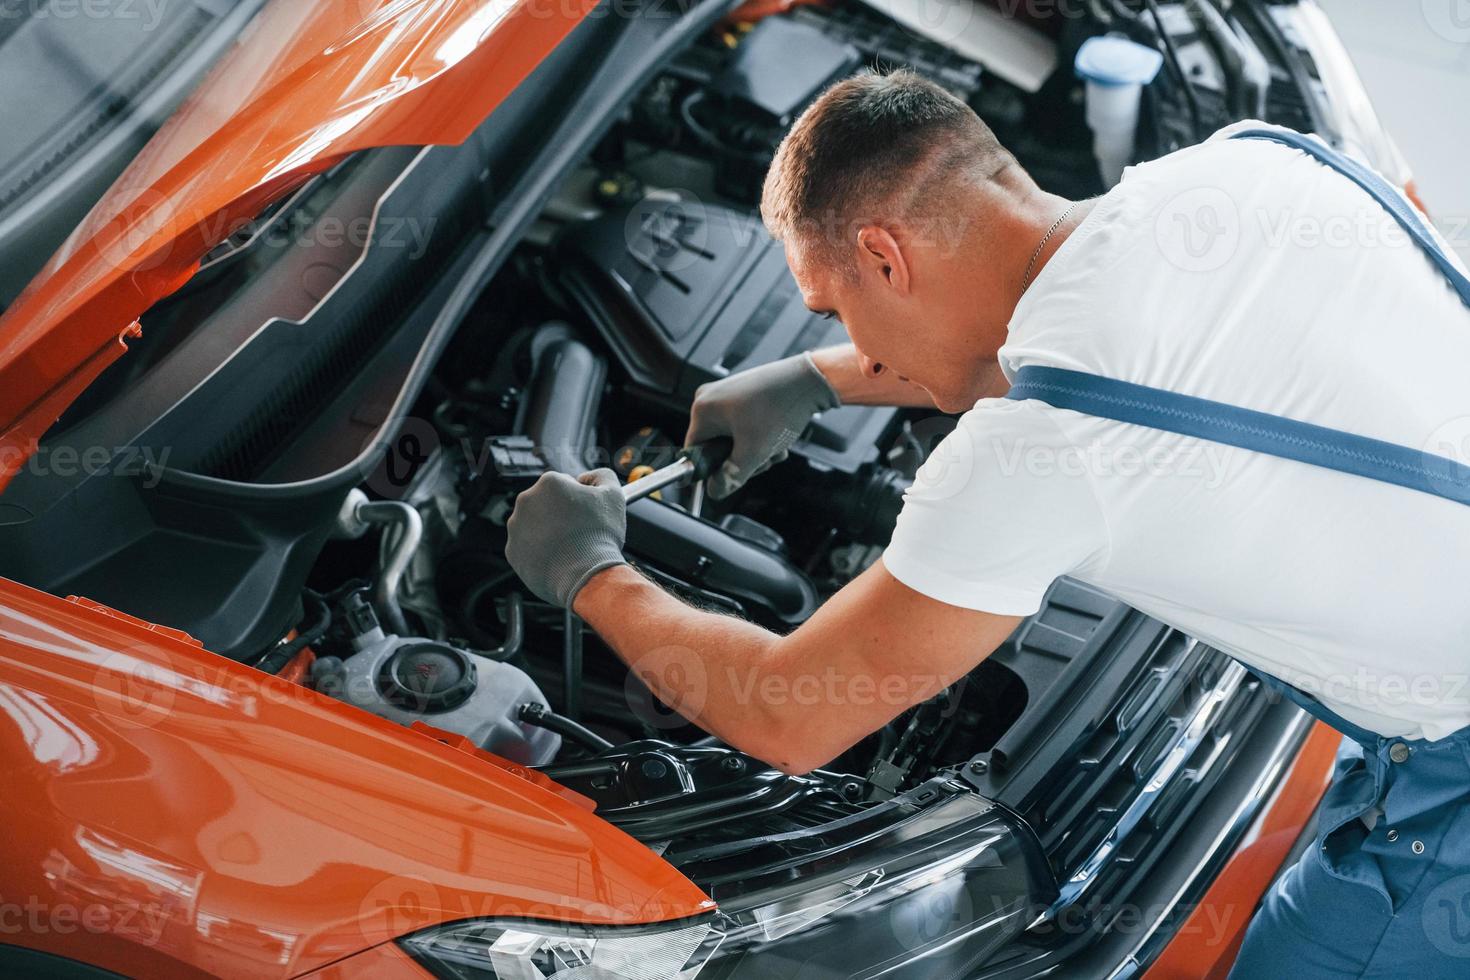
{"points": [[763, 410], [563, 531]]}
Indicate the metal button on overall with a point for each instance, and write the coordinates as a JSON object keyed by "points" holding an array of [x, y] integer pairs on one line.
{"points": [[1362, 906]]}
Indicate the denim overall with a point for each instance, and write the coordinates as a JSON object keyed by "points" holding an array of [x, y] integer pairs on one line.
{"points": [[1385, 891]]}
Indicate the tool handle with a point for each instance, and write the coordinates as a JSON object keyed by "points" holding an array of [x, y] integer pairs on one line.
{"points": [[708, 456]]}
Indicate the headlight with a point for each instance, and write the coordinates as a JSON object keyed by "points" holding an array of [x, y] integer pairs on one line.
{"points": [[906, 889], [533, 952]]}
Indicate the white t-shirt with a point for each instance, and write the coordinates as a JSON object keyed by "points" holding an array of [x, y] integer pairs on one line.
{"points": [[1248, 273]]}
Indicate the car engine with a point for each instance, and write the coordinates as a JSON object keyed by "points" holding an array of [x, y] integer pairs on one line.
{"points": [[647, 274]]}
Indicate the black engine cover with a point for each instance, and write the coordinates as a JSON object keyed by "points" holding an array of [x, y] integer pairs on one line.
{"points": [[685, 293]]}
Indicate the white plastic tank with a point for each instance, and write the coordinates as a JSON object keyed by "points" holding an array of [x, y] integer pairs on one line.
{"points": [[1115, 70], [409, 679]]}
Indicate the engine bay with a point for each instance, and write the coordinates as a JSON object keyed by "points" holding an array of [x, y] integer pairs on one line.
{"points": [[647, 275], [281, 532]]}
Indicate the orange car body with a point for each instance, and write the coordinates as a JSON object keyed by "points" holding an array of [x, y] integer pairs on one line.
{"points": [[171, 812]]}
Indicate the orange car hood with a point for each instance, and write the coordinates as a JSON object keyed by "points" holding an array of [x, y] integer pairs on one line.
{"points": [[204, 818], [307, 84]]}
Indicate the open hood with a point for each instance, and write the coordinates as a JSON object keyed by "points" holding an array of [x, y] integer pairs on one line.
{"points": [[307, 85]]}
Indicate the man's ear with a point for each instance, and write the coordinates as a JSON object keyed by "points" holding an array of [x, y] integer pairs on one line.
{"points": [[879, 251]]}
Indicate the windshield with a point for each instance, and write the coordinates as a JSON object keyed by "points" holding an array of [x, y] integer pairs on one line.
{"points": [[87, 84], [308, 85]]}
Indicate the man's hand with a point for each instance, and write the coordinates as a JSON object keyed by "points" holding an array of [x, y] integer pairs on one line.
{"points": [[763, 410], [564, 531]]}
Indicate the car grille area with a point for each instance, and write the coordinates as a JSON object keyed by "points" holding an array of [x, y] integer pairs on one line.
{"points": [[1129, 727]]}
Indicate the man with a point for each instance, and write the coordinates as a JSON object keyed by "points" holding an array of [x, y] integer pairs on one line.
{"points": [[1198, 275]]}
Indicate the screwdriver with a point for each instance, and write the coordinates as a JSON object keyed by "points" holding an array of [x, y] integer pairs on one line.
{"points": [[694, 463]]}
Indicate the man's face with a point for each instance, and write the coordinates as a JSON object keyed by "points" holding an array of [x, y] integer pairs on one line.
{"points": [[924, 333]]}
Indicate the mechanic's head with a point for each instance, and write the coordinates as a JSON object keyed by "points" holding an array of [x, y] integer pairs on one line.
{"points": [[899, 211]]}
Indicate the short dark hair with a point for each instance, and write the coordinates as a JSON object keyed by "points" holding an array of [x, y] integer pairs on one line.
{"points": [[874, 142]]}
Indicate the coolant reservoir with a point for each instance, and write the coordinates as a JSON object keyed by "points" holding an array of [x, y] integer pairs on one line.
{"points": [[409, 679], [1116, 70]]}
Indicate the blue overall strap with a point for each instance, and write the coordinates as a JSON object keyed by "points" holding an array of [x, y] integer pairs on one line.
{"points": [[1393, 202], [1244, 428], [1260, 431]]}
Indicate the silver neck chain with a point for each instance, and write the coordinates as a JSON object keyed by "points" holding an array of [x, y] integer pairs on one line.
{"points": [[1031, 266]]}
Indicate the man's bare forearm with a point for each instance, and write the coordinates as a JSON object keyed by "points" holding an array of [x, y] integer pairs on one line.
{"points": [[797, 701], [704, 665]]}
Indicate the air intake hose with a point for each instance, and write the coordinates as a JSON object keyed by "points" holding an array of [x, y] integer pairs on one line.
{"points": [[559, 414]]}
